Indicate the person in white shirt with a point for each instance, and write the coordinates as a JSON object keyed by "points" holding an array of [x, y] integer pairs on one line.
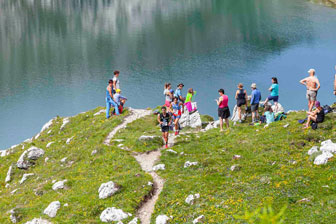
{"points": [[116, 83]]}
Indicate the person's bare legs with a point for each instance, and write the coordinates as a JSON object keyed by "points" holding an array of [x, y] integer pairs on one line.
{"points": [[227, 122], [276, 106], [253, 116], [239, 113], [221, 124], [310, 118]]}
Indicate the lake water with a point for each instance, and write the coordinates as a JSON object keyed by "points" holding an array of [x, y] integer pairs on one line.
{"points": [[56, 56]]}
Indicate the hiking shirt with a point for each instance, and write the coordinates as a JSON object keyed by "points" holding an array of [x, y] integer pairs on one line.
{"points": [[166, 93], [224, 102], [115, 79], [256, 96], [275, 90], [164, 119], [189, 97], [269, 117], [178, 93], [117, 98]]}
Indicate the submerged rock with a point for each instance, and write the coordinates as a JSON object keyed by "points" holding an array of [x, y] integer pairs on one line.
{"points": [[107, 189], [33, 153], [113, 214], [52, 209]]}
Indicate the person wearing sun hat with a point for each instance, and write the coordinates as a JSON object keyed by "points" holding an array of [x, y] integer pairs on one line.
{"points": [[119, 99], [313, 85], [255, 99]]}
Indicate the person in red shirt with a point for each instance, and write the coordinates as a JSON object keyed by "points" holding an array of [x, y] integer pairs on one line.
{"points": [[223, 109]]}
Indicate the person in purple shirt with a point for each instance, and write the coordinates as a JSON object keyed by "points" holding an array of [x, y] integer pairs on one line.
{"points": [[255, 99]]}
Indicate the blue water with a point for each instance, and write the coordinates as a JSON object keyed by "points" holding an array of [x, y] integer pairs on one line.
{"points": [[56, 56]]}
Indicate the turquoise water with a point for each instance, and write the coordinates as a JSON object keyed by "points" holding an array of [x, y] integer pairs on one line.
{"points": [[56, 56]]}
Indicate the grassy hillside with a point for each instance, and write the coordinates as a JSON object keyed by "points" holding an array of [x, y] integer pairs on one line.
{"points": [[84, 176], [273, 170]]}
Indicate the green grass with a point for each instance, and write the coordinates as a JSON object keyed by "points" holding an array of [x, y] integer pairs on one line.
{"points": [[84, 176], [275, 170], [145, 126]]}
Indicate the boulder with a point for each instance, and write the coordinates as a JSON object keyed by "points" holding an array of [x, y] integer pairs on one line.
{"points": [[25, 177], [134, 221], [49, 144], [102, 111], [9, 174], [191, 198], [313, 150], [107, 189], [147, 138], [161, 219], [4, 153], [159, 167], [33, 153], [171, 151], [328, 146], [38, 221], [321, 159], [13, 217], [52, 209], [189, 164], [199, 219], [66, 120], [211, 125], [113, 215], [59, 185], [192, 120], [235, 168], [47, 125], [69, 140]]}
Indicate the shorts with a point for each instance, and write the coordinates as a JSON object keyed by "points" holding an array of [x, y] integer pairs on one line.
{"points": [[311, 95], [224, 113], [176, 116], [254, 107], [241, 103], [274, 98], [165, 128]]}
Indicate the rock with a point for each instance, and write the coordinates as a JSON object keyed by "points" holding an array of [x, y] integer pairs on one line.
{"points": [[161, 219], [118, 140], [278, 109], [191, 198], [47, 125], [159, 167], [38, 221], [4, 153], [69, 140], [113, 214], [321, 159], [66, 205], [107, 189], [212, 125], [66, 120], [313, 150], [25, 177], [286, 126], [192, 120], [49, 144], [147, 138], [52, 209], [33, 153], [7, 186], [236, 157], [150, 183], [99, 112], [328, 146], [9, 174], [94, 152], [134, 221], [29, 140], [303, 200], [189, 164], [59, 185], [235, 168], [13, 217], [199, 219], [13, 192], [120, 145], [64, 159], [46, 159], [171, 151]]}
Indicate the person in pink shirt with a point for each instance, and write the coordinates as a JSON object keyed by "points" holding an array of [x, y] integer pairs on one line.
{"points": [[223, 109]]}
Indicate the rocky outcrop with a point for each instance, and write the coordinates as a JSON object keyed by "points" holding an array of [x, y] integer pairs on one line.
{"points": [[113, 215], [9, 174], [189, 164], [192, 120], [38, 221], [52, 209], [327, 151], [59, 185], [161, 219], [107, 189], [191, 198], [25, 160], [25, 177]]}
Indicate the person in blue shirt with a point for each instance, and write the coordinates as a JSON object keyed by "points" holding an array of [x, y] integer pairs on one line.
{"points": [[178, 92], [255, 99], [274, 89], [269, 115], [109, 100]]}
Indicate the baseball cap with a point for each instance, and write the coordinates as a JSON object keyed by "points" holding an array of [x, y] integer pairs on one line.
{"points": [[181, 84], [254, 85], [311, 70]]}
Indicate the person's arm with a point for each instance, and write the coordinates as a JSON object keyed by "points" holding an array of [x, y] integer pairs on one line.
{"points": [[114, 83], [318, 85], [170, 120], [159, 120], [236, 96], [219, 100], [270, 89], [252, 98], [304, 81], [246, 98], [110, 92], [122, 97]]}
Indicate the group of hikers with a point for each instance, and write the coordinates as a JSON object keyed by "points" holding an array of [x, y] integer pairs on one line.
{"points": [[175, 104]]}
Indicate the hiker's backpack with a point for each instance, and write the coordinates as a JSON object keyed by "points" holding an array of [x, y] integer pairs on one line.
{"points": [[327, 109], [314, 125]]}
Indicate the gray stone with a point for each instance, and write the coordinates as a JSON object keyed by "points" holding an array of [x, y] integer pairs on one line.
{"points": [[66, 120], [328, 146], [159, 167], [49, 144], [100, 112], [321, 159], [171, 151], [94, 152], [33, 153], [25, 177], [161, 219], [147, 138], [113, 215], [64, 159], [191, 198], [9, 174], [235, 168], [134, 221], [38, 221], [192, 120], [107, 189], [313, 150], [52, 209], [69, 140], [199, 219], [59, 185], [189, 164]]}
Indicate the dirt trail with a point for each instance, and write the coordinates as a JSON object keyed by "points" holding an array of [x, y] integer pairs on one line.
{"points": [[146, 161]]}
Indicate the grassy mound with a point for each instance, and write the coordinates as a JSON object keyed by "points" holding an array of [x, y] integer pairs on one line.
{"points": [[84, 172]]}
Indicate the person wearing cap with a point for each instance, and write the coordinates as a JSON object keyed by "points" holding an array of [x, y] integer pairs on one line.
{"points": [[119, 99], [316, 116], [313, 85], [109, 100], [178, 92], [241, 97], [255, 99]]}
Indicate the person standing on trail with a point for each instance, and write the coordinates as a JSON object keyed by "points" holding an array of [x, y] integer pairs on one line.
{"points": [[109, 100], [223, 109], [313, 85], [274, 89], [255, 99], [164, 120], [241, 97], [116, 83], [176, 111]]}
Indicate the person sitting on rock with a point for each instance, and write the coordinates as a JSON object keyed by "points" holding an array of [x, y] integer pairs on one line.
{"points": [[316, 116], [269, 115], [109, 100], [120, 100], [188, 101], [164, 120], [176, 111]]}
